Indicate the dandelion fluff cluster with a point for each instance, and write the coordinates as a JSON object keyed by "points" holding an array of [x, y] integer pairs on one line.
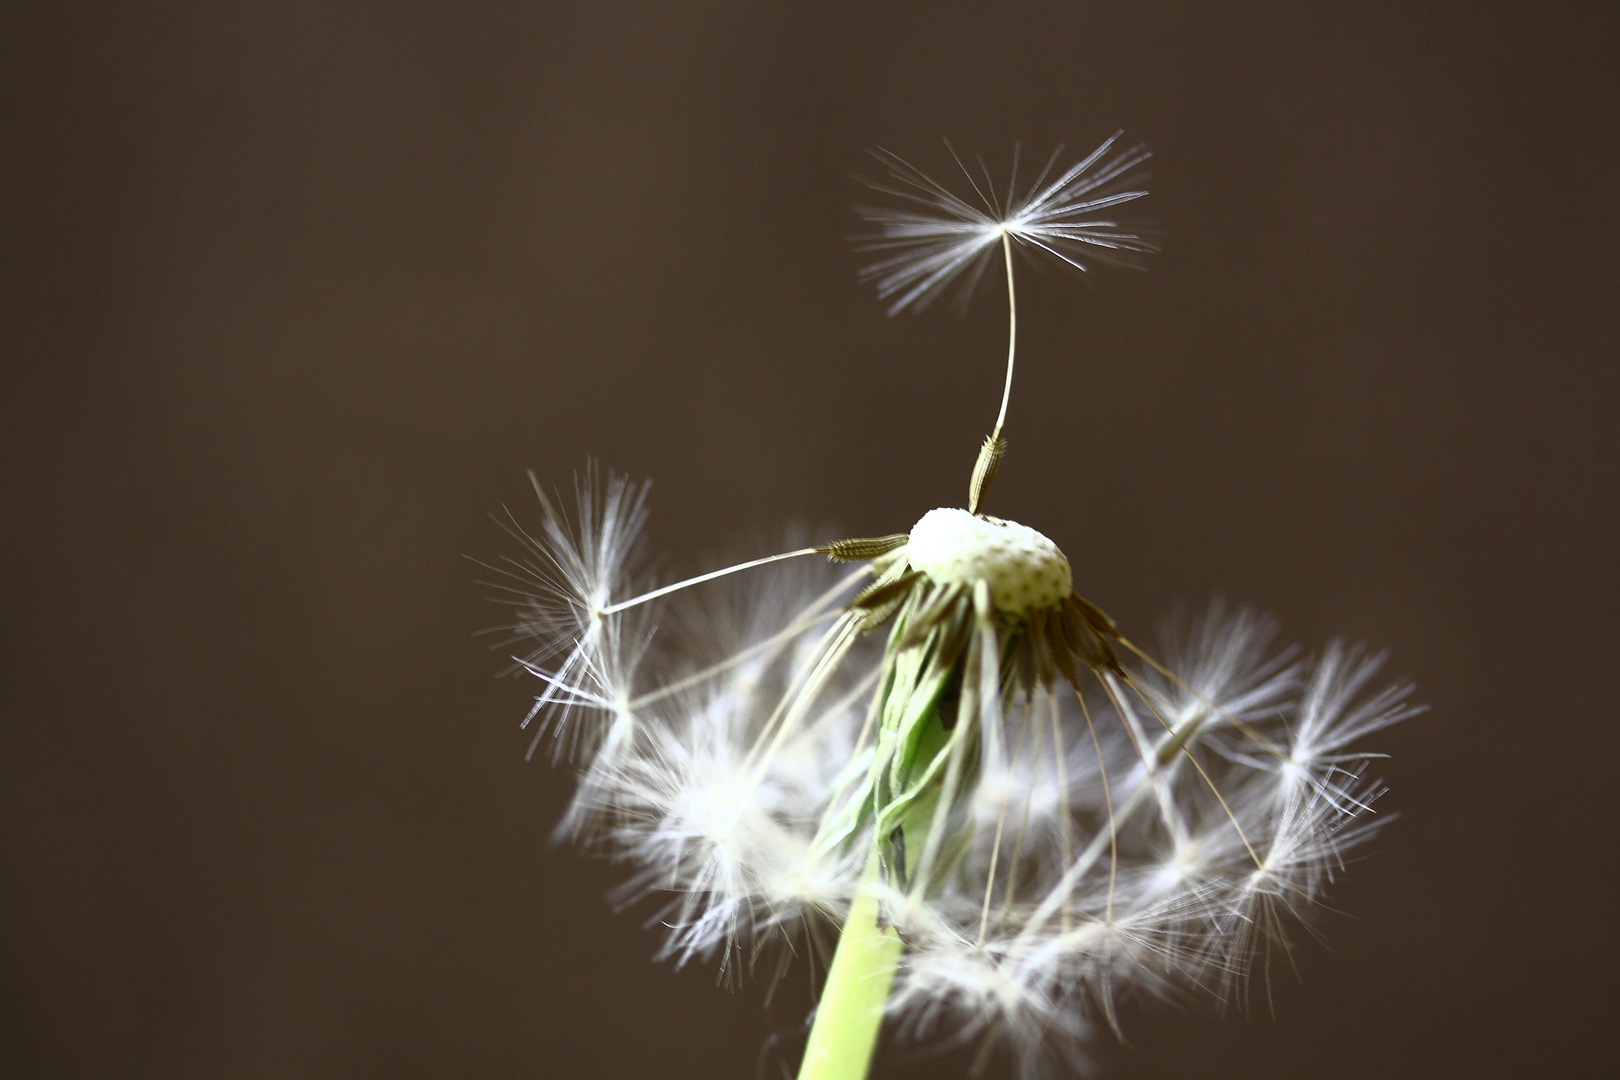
{"points": [[1047, 818], [1149, 833]]}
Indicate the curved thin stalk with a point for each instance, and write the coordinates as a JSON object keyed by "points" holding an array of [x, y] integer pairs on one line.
{"points": [[701, 578], [1012, 333]]}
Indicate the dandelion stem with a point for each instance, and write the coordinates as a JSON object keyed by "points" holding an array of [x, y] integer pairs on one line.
{"points": [[1012, 332], [850, 1014]]}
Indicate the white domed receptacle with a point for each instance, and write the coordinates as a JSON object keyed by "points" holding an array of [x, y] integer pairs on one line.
{"points": [[1022, 567]]}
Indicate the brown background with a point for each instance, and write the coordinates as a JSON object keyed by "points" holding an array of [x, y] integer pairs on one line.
{"points": [[293, 297]]}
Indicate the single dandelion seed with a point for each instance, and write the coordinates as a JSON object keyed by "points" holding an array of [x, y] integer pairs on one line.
{"points": [[1013, 815]]}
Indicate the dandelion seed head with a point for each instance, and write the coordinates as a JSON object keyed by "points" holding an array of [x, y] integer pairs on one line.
{"points": [[1042, 819], [1022, 567], [1147, 837]]}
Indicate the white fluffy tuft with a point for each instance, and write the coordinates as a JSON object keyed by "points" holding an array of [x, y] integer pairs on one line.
{"points": [[936, 238], [1153, 838]]}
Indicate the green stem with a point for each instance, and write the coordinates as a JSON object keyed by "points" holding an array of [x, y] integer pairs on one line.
{"points": [[850, 1014]]}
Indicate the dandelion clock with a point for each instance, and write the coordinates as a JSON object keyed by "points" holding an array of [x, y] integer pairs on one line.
{"points": [[929, 750]]}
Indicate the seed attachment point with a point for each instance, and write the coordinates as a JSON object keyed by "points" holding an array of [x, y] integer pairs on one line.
{"points": [[984, 470], [862, 549]]}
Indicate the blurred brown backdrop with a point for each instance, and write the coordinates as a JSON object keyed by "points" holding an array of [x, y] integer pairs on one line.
{"points": [[294, 295]]}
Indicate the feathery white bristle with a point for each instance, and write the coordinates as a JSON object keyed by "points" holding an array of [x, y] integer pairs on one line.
{"points": [[940, 237]]}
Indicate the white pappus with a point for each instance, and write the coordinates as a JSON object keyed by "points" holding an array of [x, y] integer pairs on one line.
{"points": [[930, 744]]}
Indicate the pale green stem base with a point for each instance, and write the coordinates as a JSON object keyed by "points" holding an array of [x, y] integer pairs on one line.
{"points": [[850, 1014]]}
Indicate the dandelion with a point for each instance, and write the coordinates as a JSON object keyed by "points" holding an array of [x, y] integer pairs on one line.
{"points": [[1014, 816]]}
